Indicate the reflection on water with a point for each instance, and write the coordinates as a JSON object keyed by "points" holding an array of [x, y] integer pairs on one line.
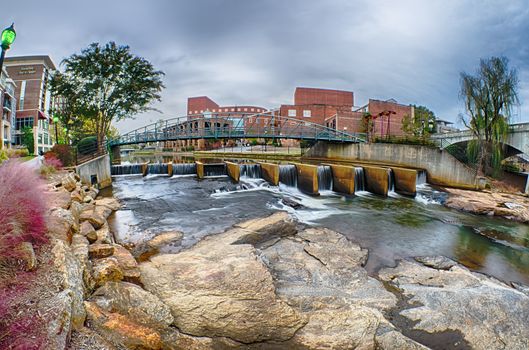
{"points": [[391, 228]]}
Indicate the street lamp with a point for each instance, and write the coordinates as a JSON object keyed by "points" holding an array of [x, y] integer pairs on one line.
{"points": [[8, 37], [56, 121]]}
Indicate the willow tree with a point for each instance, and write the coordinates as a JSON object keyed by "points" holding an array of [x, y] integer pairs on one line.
{"points": [[105, 84], [489, 97]]}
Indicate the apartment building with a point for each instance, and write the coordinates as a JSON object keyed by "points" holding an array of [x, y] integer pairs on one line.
{"points": [[8, 110], [31, 76]]}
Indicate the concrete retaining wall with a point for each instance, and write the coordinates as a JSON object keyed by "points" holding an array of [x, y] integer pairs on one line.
{"points": [[343, 179], [405, 181], [442, 168], [95, 171], [377, 180], [307, 178], [270, 173], [233, 170]]}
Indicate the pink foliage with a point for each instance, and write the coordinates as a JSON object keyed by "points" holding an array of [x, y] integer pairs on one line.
{"points": [[22, 208], [53, 161]]}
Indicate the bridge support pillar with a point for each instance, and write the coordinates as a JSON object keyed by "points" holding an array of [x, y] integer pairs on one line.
{"points": [[115, 154]]}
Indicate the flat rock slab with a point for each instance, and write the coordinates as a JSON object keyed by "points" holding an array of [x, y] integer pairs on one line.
{"points": [[488, 313], [226, 291]]}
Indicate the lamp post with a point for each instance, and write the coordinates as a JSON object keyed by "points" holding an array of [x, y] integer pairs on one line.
{"points": [[56, 121], [8, 37]]}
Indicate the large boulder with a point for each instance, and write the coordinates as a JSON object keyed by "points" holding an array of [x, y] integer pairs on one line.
{"points": [[100, 250], [131, 300], [223, 291], [80, 250], [62, 224], [109, 202], [488, 313], [87, 230], [71, 273], [127, 264], [144, 250], [105, 270], [321, 268], [121, 330], [97, 216], [69, 182]]}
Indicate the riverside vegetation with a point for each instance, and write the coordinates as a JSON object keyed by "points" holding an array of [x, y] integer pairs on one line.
{"points": [[268, 283]]}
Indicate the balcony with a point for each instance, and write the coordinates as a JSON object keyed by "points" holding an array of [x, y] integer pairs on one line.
{"points": [[7, 105]]}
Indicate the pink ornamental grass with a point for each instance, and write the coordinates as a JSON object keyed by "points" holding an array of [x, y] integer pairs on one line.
{"points": [[22, 209], [53, 161]]}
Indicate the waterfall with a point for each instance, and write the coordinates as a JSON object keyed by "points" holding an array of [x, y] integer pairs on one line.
{"points": [[127, 169], [421, 177], [288, 175], [251, 170], [391, 180], [184, 169], [324, 178], [214, 169], [360, 183], [158, 168]]}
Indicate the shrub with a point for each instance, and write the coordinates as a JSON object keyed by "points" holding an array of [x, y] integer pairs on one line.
{"points": [[22, 208], [87, 145], [64, 153], [3, 155], [50, 159]]}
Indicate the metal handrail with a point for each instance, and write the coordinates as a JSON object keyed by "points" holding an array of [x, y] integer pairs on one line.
{"points": [[240, 126]]}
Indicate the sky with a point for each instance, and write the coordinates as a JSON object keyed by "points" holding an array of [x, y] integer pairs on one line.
{"points": [[250, 52]]}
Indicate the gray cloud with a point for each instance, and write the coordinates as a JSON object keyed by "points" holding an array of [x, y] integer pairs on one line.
{"points": [[257, 52]]}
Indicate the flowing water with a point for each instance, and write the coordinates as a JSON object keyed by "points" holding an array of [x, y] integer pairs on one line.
{"points": [[391, 228]]}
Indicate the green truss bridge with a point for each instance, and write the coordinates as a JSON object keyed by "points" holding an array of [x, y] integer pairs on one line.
{"points": [[240, 126]]}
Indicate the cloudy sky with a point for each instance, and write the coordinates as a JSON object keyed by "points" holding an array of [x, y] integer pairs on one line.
{"points": [[257, 52]]}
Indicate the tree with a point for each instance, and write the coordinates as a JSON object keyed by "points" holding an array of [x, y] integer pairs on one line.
{"points": [[27, 139], [106, 83], [421, 124], [489, 97]]}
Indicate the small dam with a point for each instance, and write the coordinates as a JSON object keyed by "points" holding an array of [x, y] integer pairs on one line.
{"points": [[308, 178]]}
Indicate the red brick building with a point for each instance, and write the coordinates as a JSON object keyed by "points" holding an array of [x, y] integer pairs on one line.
{"points": [[31, 75]]}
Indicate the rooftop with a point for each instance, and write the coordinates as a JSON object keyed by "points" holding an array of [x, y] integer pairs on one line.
{"points": [[23, 59]]}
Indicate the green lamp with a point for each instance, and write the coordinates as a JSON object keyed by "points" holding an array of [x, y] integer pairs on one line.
{"points": [[8, 37]]}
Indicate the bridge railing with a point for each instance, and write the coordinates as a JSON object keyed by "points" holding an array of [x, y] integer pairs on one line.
{"points": [[242, 126]]}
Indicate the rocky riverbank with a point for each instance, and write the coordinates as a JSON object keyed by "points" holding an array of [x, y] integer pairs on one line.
{"points": [[506, 205], [268, 283]]}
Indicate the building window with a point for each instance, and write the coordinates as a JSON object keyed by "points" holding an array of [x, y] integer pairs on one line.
{"points": [[252, 109], [291, 112], [246, 109], [24, 122], [22, 95], [233, 109], [307, 113]]}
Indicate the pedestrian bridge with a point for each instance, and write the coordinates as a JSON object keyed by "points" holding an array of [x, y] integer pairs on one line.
{"points": [[240, 126], [517, 141]]}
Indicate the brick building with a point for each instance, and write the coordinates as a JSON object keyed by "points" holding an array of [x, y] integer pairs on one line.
{"points": [[8, 110], [386, 118], [31, 75], [213, 117]]}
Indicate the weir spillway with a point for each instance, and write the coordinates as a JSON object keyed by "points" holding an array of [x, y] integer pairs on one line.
{"points": [[308, 178]]}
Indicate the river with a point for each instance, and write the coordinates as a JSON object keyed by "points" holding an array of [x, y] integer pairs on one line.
{"points": [[391, 228]]}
